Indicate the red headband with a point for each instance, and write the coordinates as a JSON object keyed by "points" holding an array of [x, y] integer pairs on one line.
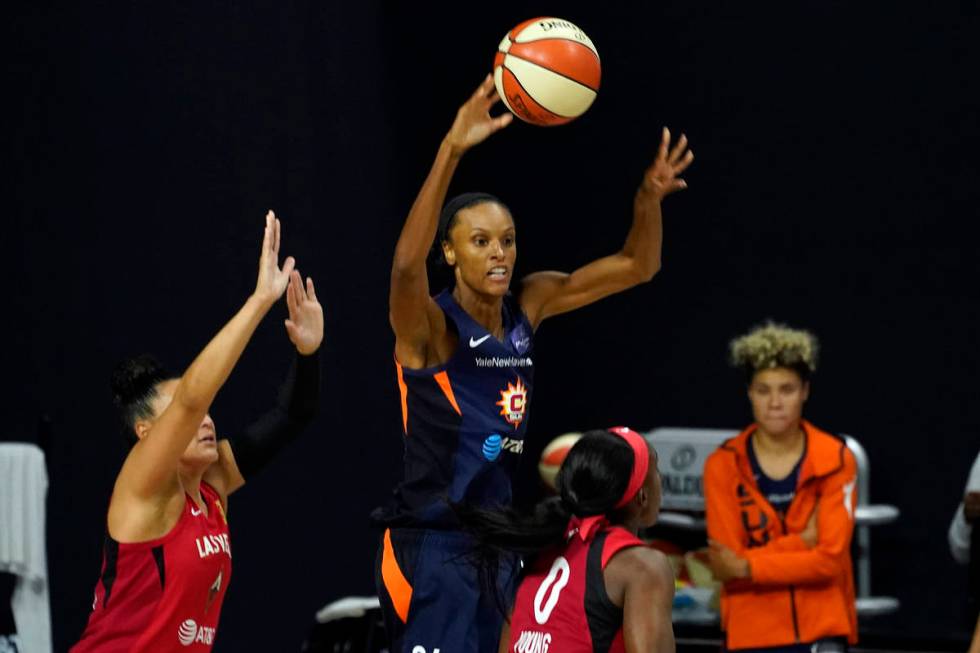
{"points": [[587, 527], [641, 461]]}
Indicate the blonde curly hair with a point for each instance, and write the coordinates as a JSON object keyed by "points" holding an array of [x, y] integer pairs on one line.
{"points": [[775, 345]]}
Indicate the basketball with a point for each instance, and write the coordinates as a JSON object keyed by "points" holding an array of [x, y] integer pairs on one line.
{"points": [[554, 455], [547, 71]]}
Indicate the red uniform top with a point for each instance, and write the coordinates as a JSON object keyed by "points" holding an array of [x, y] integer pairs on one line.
{"points": [[562, 604], [165, 594]]}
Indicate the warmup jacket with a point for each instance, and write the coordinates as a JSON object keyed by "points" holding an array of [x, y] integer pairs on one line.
{"points": [[795, 594]]}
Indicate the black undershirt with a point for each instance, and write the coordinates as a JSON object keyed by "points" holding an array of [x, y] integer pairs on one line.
{"points": [[779, 493], [296, 407]]}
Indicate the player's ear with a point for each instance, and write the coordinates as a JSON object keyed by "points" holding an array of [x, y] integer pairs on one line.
{"points": [[642, 498], [448, 253], [142, 427]]}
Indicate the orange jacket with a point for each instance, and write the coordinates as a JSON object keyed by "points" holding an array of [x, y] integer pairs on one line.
{"points": [[796, 594]]}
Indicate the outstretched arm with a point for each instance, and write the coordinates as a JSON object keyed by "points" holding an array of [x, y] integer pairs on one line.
{"points": [[243, 456], [150, 468], [410, 305], [544, 294]]}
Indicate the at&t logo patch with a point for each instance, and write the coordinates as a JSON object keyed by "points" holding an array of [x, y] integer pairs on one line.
{"points": [[189, 633], [491, 447], [495, 444]]}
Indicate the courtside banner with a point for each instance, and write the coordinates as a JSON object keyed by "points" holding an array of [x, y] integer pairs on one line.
{"points": [[682, 453]]}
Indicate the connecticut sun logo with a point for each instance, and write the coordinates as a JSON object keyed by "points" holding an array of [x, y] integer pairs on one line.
{"points": [[512, 403]]}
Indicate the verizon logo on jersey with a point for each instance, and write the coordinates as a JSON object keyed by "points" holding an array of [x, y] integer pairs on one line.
{"points": [[210, 545]]}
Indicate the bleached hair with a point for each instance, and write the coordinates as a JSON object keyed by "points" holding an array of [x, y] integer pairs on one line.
{"points": [[775, 345]]}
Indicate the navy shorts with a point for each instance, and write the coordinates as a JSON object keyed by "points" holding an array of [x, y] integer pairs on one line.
{"points": [[432, 596]]}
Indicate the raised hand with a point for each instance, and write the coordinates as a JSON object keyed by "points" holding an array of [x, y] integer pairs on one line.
{"points": [[272, 280], [473, 122], [305, 323], [662, 177]]}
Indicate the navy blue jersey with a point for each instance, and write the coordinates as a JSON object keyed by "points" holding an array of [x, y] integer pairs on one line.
{"points": [[464, 421]]}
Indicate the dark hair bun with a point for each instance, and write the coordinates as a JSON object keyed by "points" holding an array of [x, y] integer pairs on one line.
{"points": [[133, 379], [595, 473]]}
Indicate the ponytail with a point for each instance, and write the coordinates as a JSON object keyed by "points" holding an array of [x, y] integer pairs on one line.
{"points": [[591, 481], [503, 534], [509, 530]]}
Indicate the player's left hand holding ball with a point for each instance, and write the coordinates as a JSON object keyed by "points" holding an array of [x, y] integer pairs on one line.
{"points": [[663, 177], [305, 323]]}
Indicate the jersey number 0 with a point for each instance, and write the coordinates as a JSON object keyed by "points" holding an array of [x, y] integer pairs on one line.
{"points": [[551, 587]]}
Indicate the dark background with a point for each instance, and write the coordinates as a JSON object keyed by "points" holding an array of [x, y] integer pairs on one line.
{"points": [[835, 188]]}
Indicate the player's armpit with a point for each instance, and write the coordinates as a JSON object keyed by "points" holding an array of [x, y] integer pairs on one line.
{"points": [[408, 316], [424, 344]]}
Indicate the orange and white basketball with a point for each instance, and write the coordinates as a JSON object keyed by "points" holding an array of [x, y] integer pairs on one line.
{"points": [[547, 71], [554, 455]]}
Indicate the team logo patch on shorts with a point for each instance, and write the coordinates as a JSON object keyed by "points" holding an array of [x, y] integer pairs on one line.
{"points": [[513, 402]]}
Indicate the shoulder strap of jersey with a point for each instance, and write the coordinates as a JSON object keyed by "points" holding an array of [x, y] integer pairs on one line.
{"points": [[460, 319], [513, 313], [208, 491], [617, 539], [211, 495]]}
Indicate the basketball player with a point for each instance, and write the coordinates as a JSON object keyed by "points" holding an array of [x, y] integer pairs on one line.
{"points": [[464, 361], [167, 557], [591, 584], [780, 500]]}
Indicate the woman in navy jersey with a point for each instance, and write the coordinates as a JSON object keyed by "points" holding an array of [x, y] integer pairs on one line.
{"points": [[465, 362], [167, 557], [590, 585]]}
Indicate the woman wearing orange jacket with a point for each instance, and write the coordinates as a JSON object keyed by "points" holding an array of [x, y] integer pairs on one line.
{"points": [[780, 509]]}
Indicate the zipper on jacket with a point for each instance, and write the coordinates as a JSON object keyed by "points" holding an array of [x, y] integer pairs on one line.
{"points": [[792, 592]]}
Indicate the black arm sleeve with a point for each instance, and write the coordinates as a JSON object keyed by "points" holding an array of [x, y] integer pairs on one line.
{"points": [[298, 401]]}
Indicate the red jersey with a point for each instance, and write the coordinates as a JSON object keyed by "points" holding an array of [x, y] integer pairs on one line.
{"points": [[562, 604], [165, 594]]}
